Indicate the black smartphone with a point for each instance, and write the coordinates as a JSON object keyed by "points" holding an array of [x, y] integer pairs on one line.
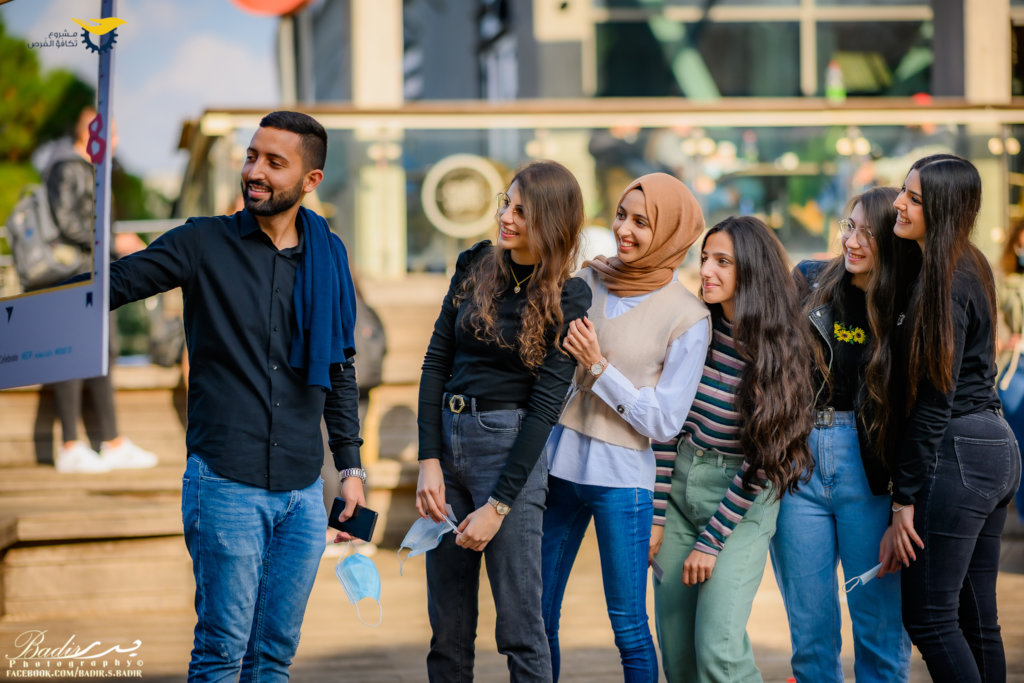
{"points": [[360, 524]]}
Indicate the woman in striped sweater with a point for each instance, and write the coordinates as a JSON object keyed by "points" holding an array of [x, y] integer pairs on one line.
{"points": [[743, 445]]}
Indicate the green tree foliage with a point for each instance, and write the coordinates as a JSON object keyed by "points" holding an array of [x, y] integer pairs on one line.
{"points": [[34, 106]]}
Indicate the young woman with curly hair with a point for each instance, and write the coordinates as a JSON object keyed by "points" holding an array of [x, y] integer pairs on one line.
{"points": [[639, 356], [954, 460], [842, 512], [493, 382], [744, 445]]}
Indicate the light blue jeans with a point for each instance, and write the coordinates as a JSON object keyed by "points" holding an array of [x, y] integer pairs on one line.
{"points": [[255, 554], [622, 519], [835, 518]]}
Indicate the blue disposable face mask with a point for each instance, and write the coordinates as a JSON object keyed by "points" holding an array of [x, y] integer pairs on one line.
{"points": [[360, 579], [425, 535], [863, 578]]}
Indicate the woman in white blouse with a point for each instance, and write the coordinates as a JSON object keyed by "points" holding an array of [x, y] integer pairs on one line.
{"points": [[639, 359]]}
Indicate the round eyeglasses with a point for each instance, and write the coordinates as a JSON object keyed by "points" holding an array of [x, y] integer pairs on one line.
{"points": [[518, 217], [847, 228]]}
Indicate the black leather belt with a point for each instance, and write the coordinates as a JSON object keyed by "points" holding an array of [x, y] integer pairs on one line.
{"points": [[459, 402]]}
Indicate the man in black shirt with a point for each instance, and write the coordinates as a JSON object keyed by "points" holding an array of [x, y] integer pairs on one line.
{"points": [[269, 312]]}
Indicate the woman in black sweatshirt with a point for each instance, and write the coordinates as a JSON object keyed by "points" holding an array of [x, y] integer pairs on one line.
{"points": [[953, 458], [493, 381]]}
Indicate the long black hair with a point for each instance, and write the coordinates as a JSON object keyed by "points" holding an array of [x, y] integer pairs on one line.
{"points": [[774, 395], [950, 199]]}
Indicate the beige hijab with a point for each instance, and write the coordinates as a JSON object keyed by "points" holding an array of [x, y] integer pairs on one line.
{"points": [[676, 221]]}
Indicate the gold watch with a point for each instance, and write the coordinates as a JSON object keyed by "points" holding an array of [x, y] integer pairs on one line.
{"points": [[597, 368], [499, 507]]}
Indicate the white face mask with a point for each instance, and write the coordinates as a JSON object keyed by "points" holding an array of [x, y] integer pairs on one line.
{"points": [[863, 578], [425, 535]]}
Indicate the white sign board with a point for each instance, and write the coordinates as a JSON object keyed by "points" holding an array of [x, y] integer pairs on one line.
{"points": [[61, 333]]}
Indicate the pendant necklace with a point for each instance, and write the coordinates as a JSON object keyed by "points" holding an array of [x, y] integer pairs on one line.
{"points": [[520, 283]]}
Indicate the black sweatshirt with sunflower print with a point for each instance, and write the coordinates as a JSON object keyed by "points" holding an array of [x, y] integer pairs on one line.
{"points": [[849, 343]]}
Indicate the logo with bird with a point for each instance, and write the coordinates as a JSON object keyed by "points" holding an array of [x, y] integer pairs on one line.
{"points": [[105, 29]]}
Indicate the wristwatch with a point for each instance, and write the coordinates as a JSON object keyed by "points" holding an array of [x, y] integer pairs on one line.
{"points": [[352, 472], [597, 368], [499, 507]]}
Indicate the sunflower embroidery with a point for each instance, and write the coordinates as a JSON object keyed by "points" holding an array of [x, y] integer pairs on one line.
{"points": [[850, 335]]}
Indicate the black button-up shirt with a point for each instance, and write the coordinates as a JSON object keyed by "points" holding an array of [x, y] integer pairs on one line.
{"points": [[251, 416]]}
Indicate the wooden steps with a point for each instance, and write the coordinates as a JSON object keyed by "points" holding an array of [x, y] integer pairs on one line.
{"points": [[76, 544]]}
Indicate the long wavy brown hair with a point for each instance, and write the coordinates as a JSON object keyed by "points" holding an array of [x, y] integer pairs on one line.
{"points": [[775, 393], [879, 218], [553, 211]]}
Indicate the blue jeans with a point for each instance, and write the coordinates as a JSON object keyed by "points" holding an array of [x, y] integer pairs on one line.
{"points": [[622, 519], [835, 518], [949, 592], [255, 554], [475, 448]]}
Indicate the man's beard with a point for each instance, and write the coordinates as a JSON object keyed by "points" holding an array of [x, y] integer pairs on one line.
{"points": [[276, 203]]}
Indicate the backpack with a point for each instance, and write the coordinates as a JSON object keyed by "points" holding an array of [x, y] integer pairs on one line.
{"points": [[41, 257], [371, 346]]}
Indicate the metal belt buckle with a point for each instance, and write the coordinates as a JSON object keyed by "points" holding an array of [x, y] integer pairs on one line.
{"points": [[457, 403], [825, 417]]}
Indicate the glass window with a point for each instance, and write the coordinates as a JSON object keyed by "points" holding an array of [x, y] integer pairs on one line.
{"points": [[646, 4], [890, 58], [1016, 61], [699, 61], [853, 4]]}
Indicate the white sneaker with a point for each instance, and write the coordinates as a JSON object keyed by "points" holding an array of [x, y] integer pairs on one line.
{"points": [[127, 456], [80, 459]]}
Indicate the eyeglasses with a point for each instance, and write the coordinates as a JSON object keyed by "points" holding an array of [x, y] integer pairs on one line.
{"points": [[518, 217], [847, 228]]}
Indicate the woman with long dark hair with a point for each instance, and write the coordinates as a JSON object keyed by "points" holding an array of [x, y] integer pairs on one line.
{"points": [[639, 358], [842, 512], [954, 460], [743, 445], [493, 382]]}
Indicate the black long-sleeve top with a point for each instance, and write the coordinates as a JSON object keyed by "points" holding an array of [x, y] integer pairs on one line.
{"points": [[457, 362], [251, 416], [973, 390]]}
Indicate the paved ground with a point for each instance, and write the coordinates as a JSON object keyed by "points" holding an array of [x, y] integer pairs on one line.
{"points": [[336, 647]]}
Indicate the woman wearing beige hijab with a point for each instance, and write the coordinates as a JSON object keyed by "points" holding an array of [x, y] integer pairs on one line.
{"points": [[639, 358]]}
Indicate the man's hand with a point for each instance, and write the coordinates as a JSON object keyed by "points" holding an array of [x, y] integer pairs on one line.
{"points": [[479, 527], [657, 534], [430, 490], [352, 494], [698, 567]]}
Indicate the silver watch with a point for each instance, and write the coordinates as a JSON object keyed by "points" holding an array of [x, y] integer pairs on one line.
{"points": [[352, 472]]}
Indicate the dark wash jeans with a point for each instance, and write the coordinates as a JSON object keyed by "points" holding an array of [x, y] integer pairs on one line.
{"points": [[949, 592], [475, 448]]}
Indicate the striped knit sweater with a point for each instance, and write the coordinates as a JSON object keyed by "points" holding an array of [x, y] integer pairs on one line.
{"points": [[713, 425]]}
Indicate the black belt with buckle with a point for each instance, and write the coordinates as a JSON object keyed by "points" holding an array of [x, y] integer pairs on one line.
{"points": [[459, 402], [825, 417]]}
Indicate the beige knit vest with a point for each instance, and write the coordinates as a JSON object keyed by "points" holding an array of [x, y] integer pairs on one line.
{"points": [[636, 343]]}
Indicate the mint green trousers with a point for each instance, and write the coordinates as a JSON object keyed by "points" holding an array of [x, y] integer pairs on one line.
{"points": [[702, 629]]}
